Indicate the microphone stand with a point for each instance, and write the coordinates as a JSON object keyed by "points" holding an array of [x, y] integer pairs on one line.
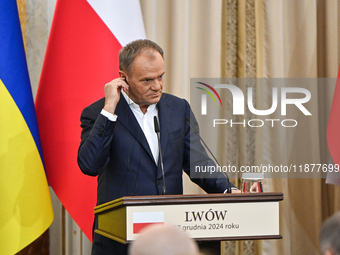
{"points": [[157, 131]]}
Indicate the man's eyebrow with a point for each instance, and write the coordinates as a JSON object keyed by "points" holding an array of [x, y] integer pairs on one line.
{"points": [[149, 78]]}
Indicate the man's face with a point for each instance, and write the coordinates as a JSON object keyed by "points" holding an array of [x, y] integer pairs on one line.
{"points": [[145, 78]]}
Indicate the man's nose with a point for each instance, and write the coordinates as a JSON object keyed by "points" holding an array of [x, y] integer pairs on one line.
{"points": [[156, 85]]}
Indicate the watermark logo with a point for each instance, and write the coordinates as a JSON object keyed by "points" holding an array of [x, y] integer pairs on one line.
{"points": [[204, 97], [281, 98], [239, 101]]}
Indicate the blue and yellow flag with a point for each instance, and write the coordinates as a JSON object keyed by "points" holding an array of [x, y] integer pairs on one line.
{"points": [[25, 203]]}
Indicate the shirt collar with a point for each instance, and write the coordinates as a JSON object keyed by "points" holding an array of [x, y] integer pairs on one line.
{"points": [[133, 105]]}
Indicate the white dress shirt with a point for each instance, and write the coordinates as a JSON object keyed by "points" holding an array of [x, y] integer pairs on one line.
{"points": [[145, 121]]}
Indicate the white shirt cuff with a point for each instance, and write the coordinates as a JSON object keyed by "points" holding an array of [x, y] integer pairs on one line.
{"points": [[110, 116]]}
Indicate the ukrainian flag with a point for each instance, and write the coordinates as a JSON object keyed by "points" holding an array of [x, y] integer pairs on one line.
{"points": [[25, 203]]}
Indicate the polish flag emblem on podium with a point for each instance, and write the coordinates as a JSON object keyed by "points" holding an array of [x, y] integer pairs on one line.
{"points": [[144, 219]]}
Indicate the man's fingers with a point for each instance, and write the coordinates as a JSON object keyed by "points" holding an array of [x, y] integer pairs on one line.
{"points": [[117, 84]]}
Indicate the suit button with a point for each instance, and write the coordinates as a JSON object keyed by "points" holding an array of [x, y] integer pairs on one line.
{"points": [[158, 182], [101, 132]]}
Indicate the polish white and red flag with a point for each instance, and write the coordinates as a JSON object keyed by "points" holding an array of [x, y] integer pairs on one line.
{"points": [[81, 57], [143, 219]]}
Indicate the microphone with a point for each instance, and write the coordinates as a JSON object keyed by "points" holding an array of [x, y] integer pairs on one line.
{"points": [[206, 146], [157, 131]]}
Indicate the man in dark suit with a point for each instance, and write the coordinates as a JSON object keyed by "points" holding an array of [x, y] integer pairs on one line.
{"points": [[120, 146]]}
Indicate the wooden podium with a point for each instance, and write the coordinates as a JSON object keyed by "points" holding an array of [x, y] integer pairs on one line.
{"points": [[212, 217]]}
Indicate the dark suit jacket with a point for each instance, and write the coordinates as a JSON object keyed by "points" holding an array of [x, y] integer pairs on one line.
{"points": [[119, 154]]}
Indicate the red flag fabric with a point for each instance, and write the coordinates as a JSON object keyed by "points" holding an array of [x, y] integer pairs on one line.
{"points": [[81, 57], [333, 129]]}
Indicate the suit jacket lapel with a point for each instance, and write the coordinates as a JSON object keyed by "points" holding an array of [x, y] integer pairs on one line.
{"points": [[164, 114], [129, 122]]}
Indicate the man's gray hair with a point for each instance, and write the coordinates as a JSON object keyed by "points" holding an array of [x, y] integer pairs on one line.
{"points": [[330, 234], [130, 51]]}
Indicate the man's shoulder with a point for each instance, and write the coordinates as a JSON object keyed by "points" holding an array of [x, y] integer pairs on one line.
{"points": [[95, 107], [98, 104], [172, 98], [170, 104]]}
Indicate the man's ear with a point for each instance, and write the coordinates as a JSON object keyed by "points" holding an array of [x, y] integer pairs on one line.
{"points": [[122, 74]]}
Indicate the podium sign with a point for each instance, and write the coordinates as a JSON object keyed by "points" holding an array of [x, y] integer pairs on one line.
{"points": [[203, 217]]}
